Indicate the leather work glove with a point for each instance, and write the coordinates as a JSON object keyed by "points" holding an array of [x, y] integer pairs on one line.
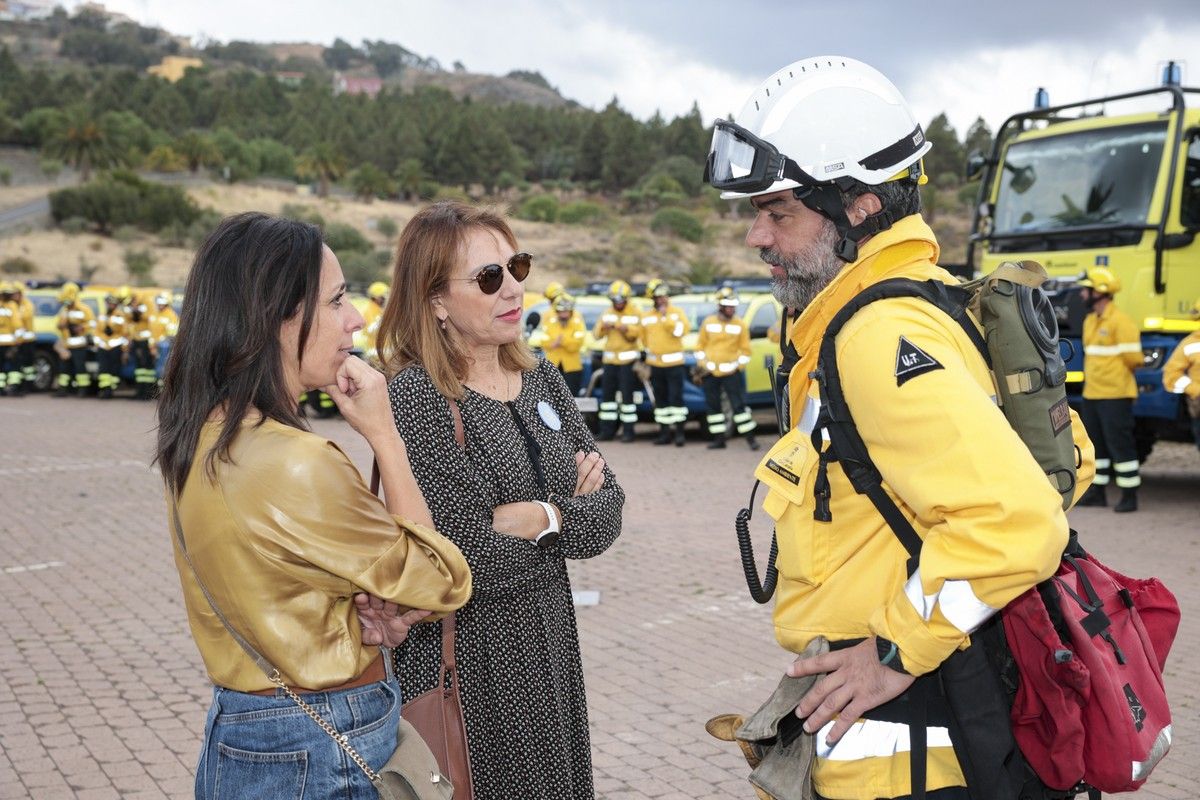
{"points": [[779, 771]]}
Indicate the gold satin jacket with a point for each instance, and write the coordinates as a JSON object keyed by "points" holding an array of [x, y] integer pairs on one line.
{"points": [[284, 538]]}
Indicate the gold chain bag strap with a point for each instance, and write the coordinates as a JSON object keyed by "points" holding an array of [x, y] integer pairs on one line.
{"points": [[437, 714], [412, 772]]}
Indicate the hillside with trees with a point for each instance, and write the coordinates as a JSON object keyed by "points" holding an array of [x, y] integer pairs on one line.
{"points": [[74, 89]]}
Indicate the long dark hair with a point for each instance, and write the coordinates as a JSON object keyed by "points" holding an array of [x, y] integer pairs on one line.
{"points": [[251, 274]]}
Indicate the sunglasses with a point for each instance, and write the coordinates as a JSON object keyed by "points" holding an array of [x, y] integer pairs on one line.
{"points": [[491, 277]]}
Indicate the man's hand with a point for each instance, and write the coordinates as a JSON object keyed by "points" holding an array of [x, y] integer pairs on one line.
{"points": [[382, 621], [856, 683]]}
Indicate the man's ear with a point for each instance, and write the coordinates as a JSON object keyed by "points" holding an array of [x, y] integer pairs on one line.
{"points": [[865, 205]]}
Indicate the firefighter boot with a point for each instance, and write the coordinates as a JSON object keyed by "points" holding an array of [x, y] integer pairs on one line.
{"points": [[1094, 496], [680, 439], [718, 442], [751, 442], [1128, 501], [627, 433], [664, 435]]}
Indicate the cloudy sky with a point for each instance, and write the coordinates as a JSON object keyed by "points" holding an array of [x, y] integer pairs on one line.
{"points": [[968, 59]]}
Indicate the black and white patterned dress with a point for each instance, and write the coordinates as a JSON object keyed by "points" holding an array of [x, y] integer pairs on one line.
{"points": [[517, 646]]}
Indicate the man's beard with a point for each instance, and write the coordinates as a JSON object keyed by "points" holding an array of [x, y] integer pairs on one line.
{"points": [[809, 270]]}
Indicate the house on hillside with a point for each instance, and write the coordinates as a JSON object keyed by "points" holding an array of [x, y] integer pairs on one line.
{"points": [[172, 68], [292, 80], [26, 9], [350, 84]]}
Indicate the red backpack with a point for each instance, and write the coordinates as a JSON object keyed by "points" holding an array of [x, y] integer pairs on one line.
{"points": [[1090, 645]]}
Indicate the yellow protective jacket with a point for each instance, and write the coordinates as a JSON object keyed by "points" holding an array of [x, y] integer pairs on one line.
{"points": [[372, 316], [991, 523], [25, 315], [111, 330], [723, 347], [662, 334], [142, 328], [1181, 373], [163, 324], [10, 324], [1112, 350], [283, 539], [76, 323], [620, 348], [564, 341]]}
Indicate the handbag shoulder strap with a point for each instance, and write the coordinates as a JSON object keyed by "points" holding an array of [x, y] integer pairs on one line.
{"points": [[258, 658]]}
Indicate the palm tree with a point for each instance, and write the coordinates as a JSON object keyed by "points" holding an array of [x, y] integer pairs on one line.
{"points": [[198, 150], [324, 164], [85, 142]]}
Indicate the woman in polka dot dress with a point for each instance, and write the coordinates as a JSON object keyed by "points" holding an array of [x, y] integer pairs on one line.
{"points": [[524, 492]]}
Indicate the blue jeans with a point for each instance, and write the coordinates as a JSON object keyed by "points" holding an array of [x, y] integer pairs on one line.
{"points": [[269, 748]]}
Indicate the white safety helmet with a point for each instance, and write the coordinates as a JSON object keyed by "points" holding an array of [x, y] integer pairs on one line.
{"points": [[831, 117]]}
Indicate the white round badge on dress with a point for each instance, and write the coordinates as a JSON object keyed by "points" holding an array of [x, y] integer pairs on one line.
{"points": [[549, 415]]}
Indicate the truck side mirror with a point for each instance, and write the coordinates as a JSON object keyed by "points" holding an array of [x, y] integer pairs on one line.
{"points": [[976, 161]]}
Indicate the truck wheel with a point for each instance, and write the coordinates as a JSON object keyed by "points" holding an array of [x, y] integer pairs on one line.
{"points": [[45, 366]]}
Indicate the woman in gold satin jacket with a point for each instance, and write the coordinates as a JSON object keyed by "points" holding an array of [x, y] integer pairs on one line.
{"points": [[297, 554]]}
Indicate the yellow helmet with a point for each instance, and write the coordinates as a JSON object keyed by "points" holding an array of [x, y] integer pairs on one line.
{"points": [[657, 287], [619, 290], [377, 289], [553, 290], [727, 296], [564, 302], [6, 287], [69, 292], [1102, 279], [125, 294]]}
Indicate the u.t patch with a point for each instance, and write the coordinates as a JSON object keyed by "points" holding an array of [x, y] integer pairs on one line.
{"points": [[912, 361]]}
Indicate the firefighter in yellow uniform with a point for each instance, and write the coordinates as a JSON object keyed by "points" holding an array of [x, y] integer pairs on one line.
{"points": [[10, 339], [1181, 373], [564, 336], [621, 329], [663, 329], [112, 340], [76, 323], [164, 324], [922, 397], [377, 294], [25, 314], [723, 351], [1112, 350], [142, 349]]}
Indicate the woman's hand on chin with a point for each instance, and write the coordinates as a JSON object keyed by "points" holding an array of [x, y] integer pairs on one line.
{"points": [[360, 392]]}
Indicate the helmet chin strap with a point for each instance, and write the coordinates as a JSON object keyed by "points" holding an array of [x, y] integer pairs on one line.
{"points": [[826, 200]]}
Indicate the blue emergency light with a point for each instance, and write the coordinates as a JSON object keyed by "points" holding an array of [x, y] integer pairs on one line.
{"points": [[1041, 99]]}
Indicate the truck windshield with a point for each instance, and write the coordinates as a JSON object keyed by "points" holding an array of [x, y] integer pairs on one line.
{"points": [[1102, 177]]}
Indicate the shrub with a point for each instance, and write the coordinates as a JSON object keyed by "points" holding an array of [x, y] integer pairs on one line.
{"points": [[387, 227], [365, 267], [678, 222], [17, 265], [164, 159], [74, 225], [51, 168], [201, 227], [539, 208], [342, 237], [140, 264], [121, 198], [449, 193], [582, 212], [302, 213], [5, 176], [125, 234], [173, 235]]}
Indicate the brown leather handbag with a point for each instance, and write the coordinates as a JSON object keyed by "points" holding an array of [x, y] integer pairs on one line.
{"points": [[437, 714]]}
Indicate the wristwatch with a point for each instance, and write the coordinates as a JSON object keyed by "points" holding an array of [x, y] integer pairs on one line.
{"points": [[549, 536], [889, 655]]}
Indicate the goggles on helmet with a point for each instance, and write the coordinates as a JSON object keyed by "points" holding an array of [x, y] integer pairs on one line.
{"points": [[739, 161]]}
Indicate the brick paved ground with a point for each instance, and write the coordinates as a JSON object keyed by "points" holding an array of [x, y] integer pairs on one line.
{"points": [[102, 694]]}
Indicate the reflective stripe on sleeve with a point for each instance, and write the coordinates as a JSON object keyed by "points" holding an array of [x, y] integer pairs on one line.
{"points": [[1192, 349], [1112, 349], [956, 599], [671, 358], [1181, 384]]}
